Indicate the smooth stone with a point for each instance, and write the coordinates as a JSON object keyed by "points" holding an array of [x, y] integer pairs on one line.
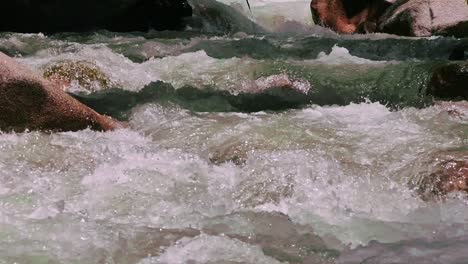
{"points": [[29, 102]]}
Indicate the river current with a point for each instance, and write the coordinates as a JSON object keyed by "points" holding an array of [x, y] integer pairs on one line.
{"points": [[203, 175]]}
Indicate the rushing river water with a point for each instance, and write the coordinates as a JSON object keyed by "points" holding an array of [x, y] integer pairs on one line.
{"points": [[204, 175]]}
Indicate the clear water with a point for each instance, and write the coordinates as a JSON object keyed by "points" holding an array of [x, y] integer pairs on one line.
{"points": [[195, 179]]}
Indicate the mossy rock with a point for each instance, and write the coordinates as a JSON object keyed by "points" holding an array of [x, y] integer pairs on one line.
{"points": [[87, 75]]}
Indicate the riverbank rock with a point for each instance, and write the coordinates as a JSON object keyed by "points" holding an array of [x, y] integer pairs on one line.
{"points": [[85, 15], [84, 74], [424, 18], [449, 81], [28, 101], [348, 16]]}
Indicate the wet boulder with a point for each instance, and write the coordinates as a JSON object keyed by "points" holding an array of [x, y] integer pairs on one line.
{"points": [[84, 15], [449, 81], [447, 172], [86, 75], [450, 176], [28, 101], [424, 18], [348, 16]]}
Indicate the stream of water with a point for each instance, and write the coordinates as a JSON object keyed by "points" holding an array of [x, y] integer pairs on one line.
{"points": [[201, 176]]}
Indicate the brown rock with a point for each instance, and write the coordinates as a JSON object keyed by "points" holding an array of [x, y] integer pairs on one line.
{"points": [[348, 16], [229, 153], [27, 101], [448, 173]]}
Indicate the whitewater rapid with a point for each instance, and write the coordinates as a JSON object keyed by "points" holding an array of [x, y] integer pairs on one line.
{"points": [[201, 175]]}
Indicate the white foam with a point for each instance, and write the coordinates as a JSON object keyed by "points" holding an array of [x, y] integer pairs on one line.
{"points": [[339, 55], [211, 249], [195, 68]]}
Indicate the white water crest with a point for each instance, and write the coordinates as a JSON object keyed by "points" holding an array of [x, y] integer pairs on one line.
{"points": [[196, 68], [209, 249], [339, 55]]}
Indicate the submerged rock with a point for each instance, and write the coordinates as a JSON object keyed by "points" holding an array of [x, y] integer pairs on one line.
{"points": [[457, 109], [447, 173], [229, 152], [418, 251], [85, 15], [348, 16], [87, 75], [30, 102], [424, 18], [449, 81], [273, 92], [276, 234]]}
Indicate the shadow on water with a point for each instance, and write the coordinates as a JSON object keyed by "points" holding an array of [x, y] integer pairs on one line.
{"points": [[118, 103], [396, 86], [311, 47]]}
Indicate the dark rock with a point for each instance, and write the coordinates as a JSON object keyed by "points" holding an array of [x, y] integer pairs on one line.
{"points": [[29, 102], [348, 16], [424, 18], [84, 15], [460, 52], [449, 81]]}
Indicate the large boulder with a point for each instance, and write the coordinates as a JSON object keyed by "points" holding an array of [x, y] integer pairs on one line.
{"points": [[84, 15], [348, 16], [28, 101], [423, 18]]}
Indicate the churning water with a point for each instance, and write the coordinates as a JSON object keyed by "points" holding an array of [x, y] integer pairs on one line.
{"points": [[204, 175]]}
